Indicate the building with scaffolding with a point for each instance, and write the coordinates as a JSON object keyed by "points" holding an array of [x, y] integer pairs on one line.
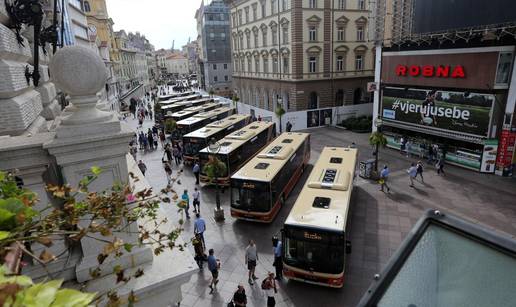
{"points": [[446, 82]]}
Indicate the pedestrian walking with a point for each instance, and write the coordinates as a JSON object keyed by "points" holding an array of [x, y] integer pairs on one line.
{"points": [[440, 166], [384, 176], [197, 171], [278, 260], [168, 171], [403, 144], [251, 258], [142, 167], [430, 154], [133, 150], [269, 286], [289, 126], [412, 172], [239, 298], [186, 199], [419, 168], [196, 200], [175, 153], [199, 250], [408, 147], [168, 153], [200, 228], [162, 138], [213, 266]]}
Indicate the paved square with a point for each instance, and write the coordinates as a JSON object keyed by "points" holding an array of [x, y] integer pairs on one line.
{"points": [[378, 223]]}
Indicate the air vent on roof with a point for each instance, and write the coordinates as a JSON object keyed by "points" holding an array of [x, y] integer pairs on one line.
{"points": [[225, 144], [321, 202], [275, 150], [331, 179], [254, 127], [336, 160], [239, 133], [329, 176], [287, 141], [261, 165]]}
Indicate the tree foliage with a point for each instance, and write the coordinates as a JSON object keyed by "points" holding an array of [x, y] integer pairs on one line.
{"points": [[83, 214], [377, 138], [170, 125], [214, 168]]}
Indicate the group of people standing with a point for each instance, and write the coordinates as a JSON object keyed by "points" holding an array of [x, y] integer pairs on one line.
{"points": [[268, 284]]}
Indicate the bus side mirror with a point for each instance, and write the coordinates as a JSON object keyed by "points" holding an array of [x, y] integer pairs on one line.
{"points": [[348, 247]]}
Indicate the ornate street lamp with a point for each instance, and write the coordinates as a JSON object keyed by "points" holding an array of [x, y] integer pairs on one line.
{"points": [[30, 13], [213, 149]]}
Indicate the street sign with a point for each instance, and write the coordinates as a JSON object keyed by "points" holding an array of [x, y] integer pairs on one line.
{"points": [[372, 87]]}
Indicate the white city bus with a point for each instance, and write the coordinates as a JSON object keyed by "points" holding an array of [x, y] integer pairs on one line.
{"points": [[259, 189], [237, 148], [191, 111], [193, 142], [200, 120], [314, 234], [169, 109], [174, 95]]}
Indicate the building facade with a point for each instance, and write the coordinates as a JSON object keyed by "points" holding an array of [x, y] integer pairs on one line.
{"points": [[213, 27], [177, 65], [304, 55], [448, 83], [100, 27], [78, 23]]}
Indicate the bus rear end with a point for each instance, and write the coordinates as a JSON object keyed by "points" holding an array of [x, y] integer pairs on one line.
{"points": [[191, 148], [251, 200], [314, 256]]}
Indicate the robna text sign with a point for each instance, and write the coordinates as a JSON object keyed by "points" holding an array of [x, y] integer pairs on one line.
{"points": [[429, 71]]}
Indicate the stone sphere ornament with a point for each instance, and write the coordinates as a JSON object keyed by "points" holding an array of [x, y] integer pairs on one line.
{"points": [[78, 71]]}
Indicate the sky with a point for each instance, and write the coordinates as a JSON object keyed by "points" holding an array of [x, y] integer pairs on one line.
{"points": [[161, 21]]}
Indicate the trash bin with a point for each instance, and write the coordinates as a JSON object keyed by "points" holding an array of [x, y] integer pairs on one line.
{"points": [[366, 169]]}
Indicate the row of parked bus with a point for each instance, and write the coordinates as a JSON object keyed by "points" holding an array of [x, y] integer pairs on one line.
{"points": [[263, 170]]}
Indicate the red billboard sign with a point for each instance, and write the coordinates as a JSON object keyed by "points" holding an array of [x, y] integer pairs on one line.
{"points": [[440, 71]]}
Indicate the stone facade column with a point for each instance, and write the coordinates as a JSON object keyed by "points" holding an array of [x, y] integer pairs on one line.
{"points": [[91, 137]]}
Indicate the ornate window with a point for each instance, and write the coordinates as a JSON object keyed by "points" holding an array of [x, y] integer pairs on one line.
{"points": [[360, 33], [359, 62], [312, 33], [285, 35], [257, 64], [312, 4], [87, 7], [246, 9], [340, 63], [284, 5], [255, 11], [361, 4], [341, 4], [274, 6], [312, 64], [265, 64], [262, 4]]}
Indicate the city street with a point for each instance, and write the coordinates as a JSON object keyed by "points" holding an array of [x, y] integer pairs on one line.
{"points": [[378, 223]]}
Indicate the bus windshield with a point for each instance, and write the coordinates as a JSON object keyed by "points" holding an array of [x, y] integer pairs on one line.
{"points": [[314, 250], [192, 146], [252, 196]]}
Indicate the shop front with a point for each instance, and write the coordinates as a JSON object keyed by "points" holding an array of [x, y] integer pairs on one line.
{"points": [[446, 103]]}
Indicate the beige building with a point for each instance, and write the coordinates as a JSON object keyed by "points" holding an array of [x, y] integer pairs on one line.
{"points": [[177, 64], [312, 54]]}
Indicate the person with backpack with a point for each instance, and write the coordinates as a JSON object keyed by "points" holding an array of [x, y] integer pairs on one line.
{"points": [[199, 250], [168, 171], [419, 171], [213, 266], [269, 286], [239, 298]]}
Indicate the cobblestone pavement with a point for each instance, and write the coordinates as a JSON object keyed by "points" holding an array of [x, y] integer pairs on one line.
{"points": [[378, 223]]}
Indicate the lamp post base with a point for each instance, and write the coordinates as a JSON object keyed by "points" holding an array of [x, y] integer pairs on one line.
{"points": [[218, 214]]}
